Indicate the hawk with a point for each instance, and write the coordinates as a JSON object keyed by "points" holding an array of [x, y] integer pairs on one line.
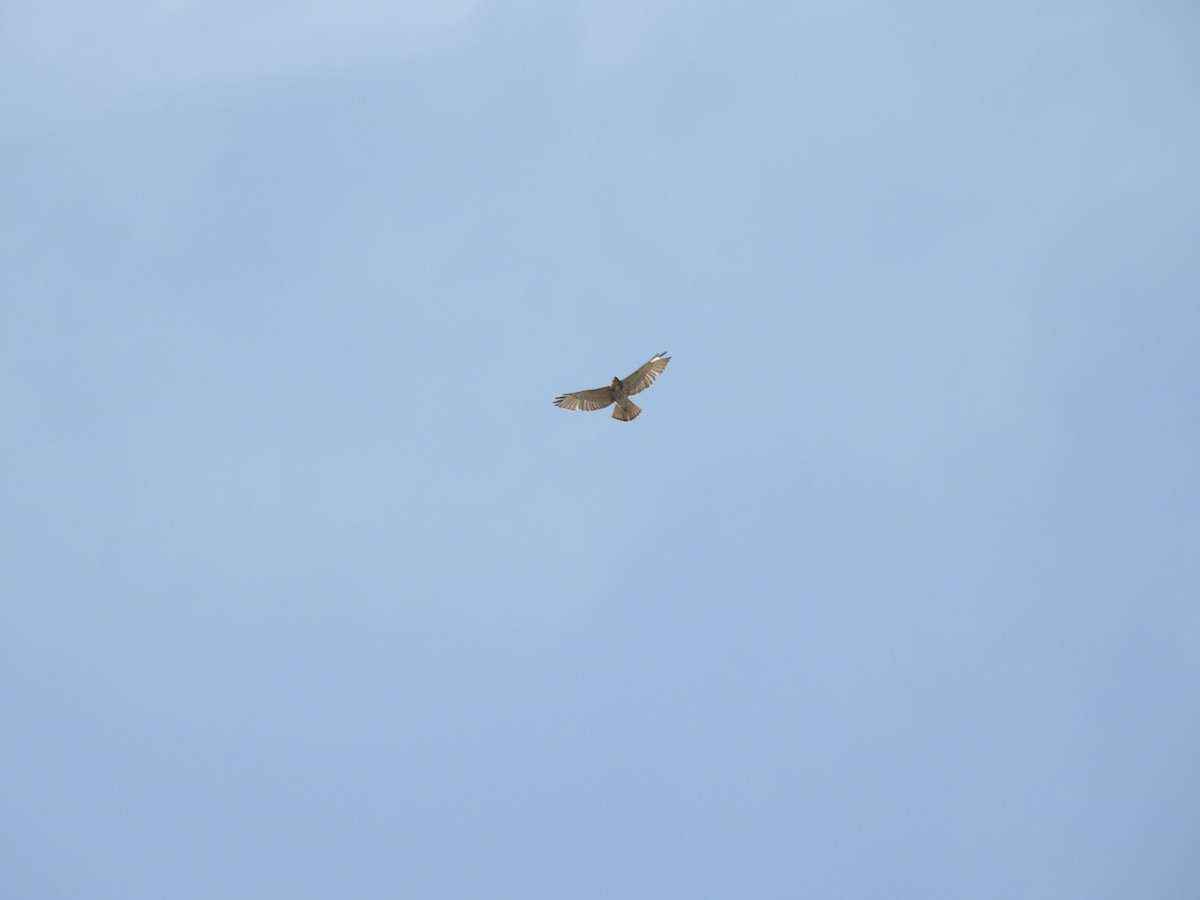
{"points": [[618, 392]]}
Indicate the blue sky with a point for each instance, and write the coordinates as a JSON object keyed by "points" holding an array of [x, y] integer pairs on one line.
{"points": [[309, 591]]}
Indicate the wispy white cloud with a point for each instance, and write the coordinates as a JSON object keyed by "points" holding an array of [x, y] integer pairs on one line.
{"points": [[70, 58]]}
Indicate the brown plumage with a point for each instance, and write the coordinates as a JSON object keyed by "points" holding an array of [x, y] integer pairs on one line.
{"points": [[618, 392]]}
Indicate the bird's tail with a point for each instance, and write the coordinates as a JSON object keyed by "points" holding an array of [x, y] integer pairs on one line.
{"points": [[626, 411]]}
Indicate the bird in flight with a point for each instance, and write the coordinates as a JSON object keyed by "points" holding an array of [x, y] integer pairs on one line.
{"points": [[618, 392]]}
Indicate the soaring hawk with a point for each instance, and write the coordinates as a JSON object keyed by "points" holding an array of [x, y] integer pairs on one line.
{"points": [[618, 392]]}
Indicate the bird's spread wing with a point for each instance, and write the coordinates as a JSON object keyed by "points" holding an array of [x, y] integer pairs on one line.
{"points": [[644, 377], [597, 398]]}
